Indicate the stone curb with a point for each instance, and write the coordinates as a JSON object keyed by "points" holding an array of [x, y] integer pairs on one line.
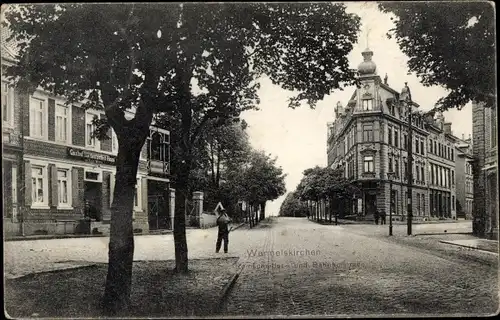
{"points": [[70, 236], [227, 289], [441, 233], [55, 270], [466, 246]]}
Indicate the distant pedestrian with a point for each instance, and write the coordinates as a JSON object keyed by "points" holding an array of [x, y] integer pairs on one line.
{"points": [[376, 215], [308, 214], [382, 217], [223, 234]]}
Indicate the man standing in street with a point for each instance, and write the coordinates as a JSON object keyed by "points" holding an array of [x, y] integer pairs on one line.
{"points": [[222, 221]]}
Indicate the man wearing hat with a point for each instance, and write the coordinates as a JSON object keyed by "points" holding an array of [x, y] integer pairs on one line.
{"points": [[222, 221]]}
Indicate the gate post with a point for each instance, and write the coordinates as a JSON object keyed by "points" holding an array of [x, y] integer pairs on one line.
{"points": [[198, 205], [172, 207]]}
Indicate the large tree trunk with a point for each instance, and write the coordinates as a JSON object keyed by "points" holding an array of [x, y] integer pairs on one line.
{"points": [[262, 211], [121, 242], [180, 241]]}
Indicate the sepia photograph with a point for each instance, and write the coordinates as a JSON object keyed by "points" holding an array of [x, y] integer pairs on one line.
{"points": [[250, 160]]}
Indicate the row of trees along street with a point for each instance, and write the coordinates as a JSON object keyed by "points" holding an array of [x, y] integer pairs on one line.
{"points": [[228, 169], [321, 193], [198, 63]]}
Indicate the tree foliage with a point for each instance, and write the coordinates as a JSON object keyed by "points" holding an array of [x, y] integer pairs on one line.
{"points": [[323, 183], [292, 206], [451, 44], [193, 62], [262, 180]]}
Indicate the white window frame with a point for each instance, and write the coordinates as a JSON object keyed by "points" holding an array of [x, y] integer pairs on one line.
{"points": [[45, 186], [58, 113], [8, 95], [367, 104], [89, 116], [114, 141], [138, 194], [366, 163], [69, 185], [98, 171], [45, 117]]}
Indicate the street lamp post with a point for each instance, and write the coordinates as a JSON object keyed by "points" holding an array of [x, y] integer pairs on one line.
{"points": [[390, 176], [405, 97]]}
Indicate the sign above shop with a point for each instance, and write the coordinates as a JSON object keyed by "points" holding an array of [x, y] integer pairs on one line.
{"points": [[91, 156]]}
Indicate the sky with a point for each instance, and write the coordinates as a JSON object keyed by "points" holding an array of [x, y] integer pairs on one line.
{"points": [[297, 137]]}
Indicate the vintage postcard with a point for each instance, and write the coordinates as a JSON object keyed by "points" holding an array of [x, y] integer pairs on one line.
{"points": [[249, 160]]}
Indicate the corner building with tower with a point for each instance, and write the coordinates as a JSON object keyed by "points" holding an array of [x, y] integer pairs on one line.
{"points": [[369, 141]]}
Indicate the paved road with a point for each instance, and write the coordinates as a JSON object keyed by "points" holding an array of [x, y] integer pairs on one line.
{"points": [[312, 270], [303, 268]]}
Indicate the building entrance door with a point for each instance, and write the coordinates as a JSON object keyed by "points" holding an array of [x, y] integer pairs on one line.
{"points": [[370, 204], [93, 194]]}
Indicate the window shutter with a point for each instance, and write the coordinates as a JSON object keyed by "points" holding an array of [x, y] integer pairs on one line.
{"points": [[144, 195], [74, 188], [111, 188], [27, 183], [53, 186]]}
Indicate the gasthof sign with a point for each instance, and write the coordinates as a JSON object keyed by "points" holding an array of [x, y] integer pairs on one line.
{"points": [[91, 156]]}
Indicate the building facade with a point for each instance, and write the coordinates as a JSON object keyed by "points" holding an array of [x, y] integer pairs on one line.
{"points": [[53, 166], [464, 176], [485, 169], [369, 139]]}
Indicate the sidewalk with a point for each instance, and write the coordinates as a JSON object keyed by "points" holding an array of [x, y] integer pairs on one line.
{"points": [[70, 236], [372, 222]]}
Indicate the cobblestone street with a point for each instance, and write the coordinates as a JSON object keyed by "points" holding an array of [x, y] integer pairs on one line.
{"points": [[338, 272], [297, 267]]}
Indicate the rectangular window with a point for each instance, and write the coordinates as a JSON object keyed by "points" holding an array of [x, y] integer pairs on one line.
{"points": [[430, 145], [63, 187], [453, 202], [367, 105], [406, 169], [38, 176], [422, 173], [367, 132], [435, 148], [114, 141], [423, 203], [390, 136], [417, 169], [405, 142], [368, 163], [396, 167], [7, 104], [493, 129], [90, 128], [396, 139], [416, 146], [62, 123], [137, 196], [422, 145], [418, 203], [390, 165], [38, 123]]}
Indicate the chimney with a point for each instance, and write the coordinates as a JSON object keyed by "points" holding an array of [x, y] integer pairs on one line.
{"points": [[463, 137], [447, 127], [385, 79]]}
